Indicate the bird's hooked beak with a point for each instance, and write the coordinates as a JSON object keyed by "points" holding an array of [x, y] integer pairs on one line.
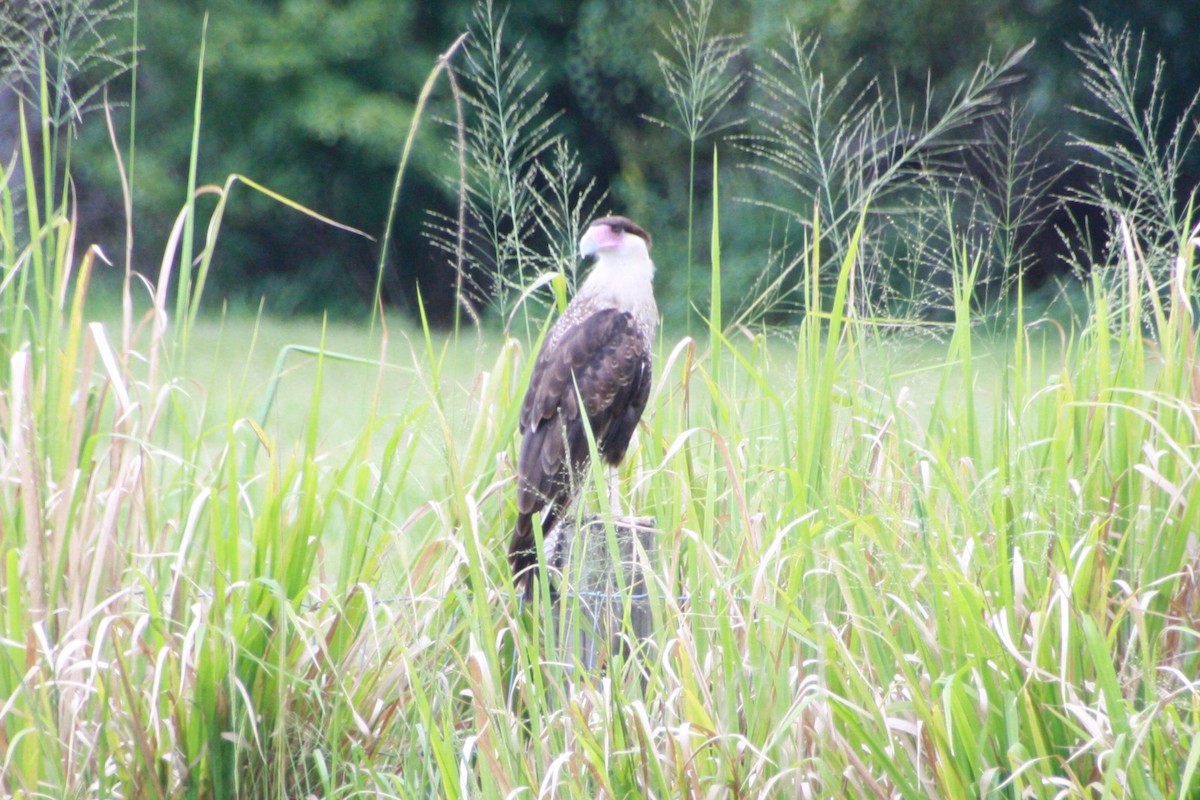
{"points": [[587, 245]]}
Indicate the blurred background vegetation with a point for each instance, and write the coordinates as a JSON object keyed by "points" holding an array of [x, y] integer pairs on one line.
{"points": [[314, 99]]}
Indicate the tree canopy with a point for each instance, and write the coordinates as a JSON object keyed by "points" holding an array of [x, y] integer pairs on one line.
{"points": [[314, 98]]}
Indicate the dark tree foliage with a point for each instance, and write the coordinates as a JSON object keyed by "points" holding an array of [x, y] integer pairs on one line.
{"points": [[314, 97]]}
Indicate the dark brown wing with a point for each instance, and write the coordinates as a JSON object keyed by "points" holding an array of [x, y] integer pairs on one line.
{"points": [[603, 359]]}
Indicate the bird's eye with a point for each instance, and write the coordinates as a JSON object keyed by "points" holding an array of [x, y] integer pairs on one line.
{"points": [[617, 227]]}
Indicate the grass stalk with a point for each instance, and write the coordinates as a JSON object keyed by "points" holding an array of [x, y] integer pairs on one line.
{"points": [[422, 100], [714, 314], [184, 299]]}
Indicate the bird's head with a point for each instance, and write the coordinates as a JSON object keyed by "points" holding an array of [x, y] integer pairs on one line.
{"points": [[623, 273], [615, 236]]}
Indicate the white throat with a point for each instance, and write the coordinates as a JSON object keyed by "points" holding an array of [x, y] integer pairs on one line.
{"points": [[624, 281]]}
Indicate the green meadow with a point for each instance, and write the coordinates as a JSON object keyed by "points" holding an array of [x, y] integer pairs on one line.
{"points": [[882, 567]]}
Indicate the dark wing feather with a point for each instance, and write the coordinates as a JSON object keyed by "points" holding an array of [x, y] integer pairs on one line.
{"points": [[604, 360], [628, 407]]}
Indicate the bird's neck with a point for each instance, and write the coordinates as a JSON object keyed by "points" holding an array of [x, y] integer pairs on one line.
{"points": [[624, 282]]}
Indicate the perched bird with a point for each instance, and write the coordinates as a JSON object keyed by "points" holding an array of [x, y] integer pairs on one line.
{"points": [[598, 352]]}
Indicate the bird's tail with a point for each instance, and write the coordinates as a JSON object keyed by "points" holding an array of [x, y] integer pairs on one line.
{"points": [[522, 549], [522, 554]]}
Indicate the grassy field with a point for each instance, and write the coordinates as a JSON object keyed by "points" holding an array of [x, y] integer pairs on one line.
{"points": [[884, 567]]}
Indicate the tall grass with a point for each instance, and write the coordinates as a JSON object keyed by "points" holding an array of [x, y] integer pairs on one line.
{"points": [[699, 77], [843, 150], [1137, 165], [522, 201], [881, 568]]}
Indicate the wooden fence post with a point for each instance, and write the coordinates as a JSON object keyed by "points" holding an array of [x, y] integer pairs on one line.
{"points": [[599, 584]]}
